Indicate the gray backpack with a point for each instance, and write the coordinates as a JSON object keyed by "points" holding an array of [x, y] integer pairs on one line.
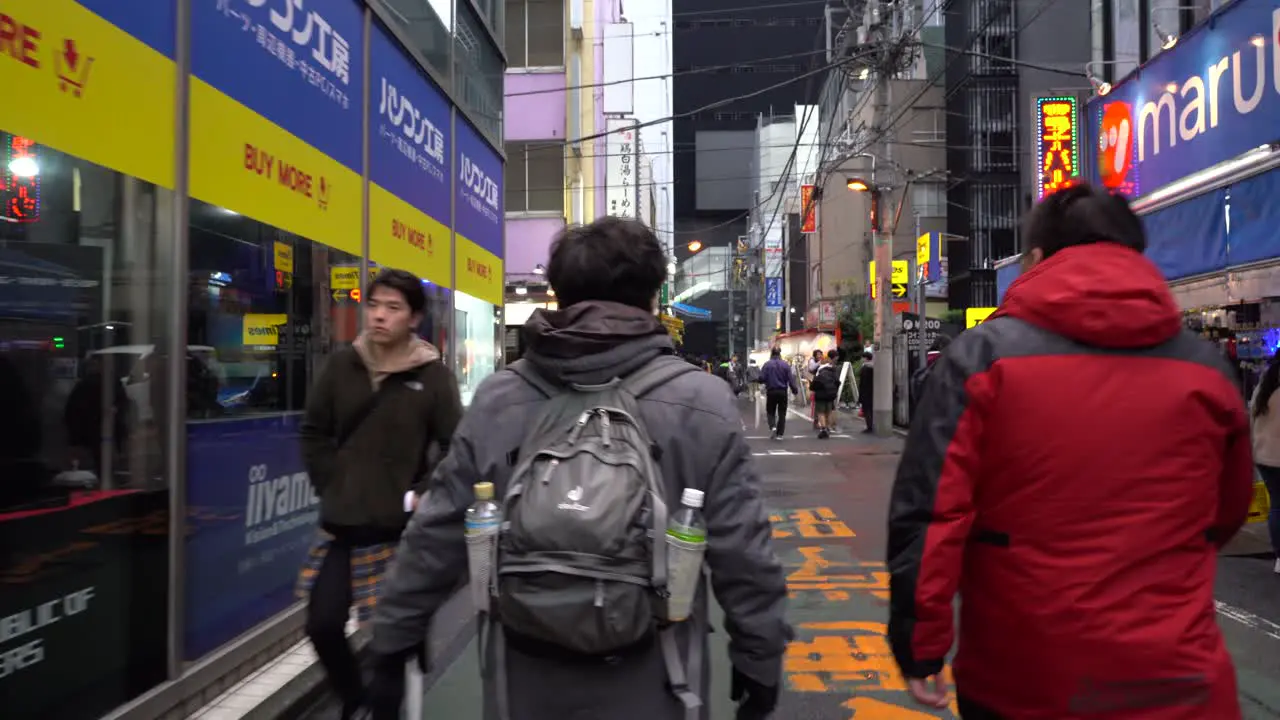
{"points": [[581, 560]]}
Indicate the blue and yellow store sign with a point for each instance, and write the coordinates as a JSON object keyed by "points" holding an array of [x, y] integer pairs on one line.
{"points": [[283, 146]]}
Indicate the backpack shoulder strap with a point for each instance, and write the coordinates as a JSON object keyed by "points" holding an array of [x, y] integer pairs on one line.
{"points": [[530, 375], [656, 372]]}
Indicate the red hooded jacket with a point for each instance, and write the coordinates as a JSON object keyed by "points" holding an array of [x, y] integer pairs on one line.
{"points": [[1077, 463]]}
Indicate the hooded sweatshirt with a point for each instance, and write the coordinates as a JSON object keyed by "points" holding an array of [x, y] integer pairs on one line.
{"points": [[369, 431]]}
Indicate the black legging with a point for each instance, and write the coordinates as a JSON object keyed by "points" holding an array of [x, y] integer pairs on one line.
{"points": [[328, 609]]}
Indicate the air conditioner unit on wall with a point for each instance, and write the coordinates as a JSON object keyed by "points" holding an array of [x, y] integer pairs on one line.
{"points": [[575, 18]]}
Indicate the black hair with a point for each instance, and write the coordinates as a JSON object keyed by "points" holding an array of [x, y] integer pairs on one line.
{"points": [[1266, 386], [1081, 215], [776, 352], [403, 282], [612, 259], [866, 355]]}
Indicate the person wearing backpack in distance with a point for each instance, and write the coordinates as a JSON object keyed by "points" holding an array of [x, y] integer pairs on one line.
{"points": [[371, 421], [826, 388], [589, 442]]}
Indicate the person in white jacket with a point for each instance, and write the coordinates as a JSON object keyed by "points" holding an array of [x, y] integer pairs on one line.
{"points": [[1265, 412]]}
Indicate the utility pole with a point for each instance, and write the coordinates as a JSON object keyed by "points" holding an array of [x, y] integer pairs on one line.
{"points": [[729, 276], [882, 242], [921, 311], [786, 277]]}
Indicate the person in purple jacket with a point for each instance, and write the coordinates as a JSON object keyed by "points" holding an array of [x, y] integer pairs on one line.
{"points": [[777, 377]]}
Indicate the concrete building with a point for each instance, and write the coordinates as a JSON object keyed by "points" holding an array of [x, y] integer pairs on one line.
{"points": [[581, 72]]}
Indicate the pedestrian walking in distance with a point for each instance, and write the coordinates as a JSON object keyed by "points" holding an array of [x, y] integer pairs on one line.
{"points": [[777, 378], [1265, 412], [1077, 463]]}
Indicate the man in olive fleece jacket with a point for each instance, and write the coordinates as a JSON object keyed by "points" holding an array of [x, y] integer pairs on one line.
{"points": [[371, 422]]}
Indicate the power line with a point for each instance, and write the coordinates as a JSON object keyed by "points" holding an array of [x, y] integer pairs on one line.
{"points": [[663, 76]]}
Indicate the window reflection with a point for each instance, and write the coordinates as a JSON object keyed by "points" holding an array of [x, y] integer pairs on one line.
{"points": [[425, 25], [479, 73], [84, 302]]}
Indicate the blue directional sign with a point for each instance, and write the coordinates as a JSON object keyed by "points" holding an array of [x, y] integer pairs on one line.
{"points": [[773, 294]]}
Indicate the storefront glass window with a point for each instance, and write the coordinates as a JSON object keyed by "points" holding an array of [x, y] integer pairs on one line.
{"points": [[266, 308], [84, 378], [479, 328]]}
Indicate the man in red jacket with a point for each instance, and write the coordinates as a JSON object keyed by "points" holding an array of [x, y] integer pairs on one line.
{"points": [[1077, 463]]}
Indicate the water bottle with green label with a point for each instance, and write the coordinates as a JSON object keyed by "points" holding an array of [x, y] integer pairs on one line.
{"points": [[481, 525], [686, 545]]}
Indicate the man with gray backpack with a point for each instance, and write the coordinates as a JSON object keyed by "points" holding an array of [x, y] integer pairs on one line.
{"points": [[590, 445]]}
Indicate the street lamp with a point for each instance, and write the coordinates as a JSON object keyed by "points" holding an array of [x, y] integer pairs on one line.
{"points": [[695, 246], [858, 185]]}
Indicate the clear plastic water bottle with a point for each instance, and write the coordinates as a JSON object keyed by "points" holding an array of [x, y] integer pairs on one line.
{"points": [[483, 520], [686, 545]]}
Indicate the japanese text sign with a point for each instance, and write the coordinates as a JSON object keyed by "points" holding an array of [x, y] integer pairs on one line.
{"points": [[1058, 144], [295, 62], [408, 129], [809, 209], [479, 190]]}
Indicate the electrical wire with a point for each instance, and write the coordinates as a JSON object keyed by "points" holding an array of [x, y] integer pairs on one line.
{"points": [[663, 76]]}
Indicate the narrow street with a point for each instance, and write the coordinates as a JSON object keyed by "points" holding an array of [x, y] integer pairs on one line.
{"points": [[827, 500]]}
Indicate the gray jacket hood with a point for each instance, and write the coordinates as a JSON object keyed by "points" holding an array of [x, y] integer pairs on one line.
{"points": [[593, 342]]}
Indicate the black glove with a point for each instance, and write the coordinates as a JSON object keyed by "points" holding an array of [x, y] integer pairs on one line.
{"points": [[756, 701]]}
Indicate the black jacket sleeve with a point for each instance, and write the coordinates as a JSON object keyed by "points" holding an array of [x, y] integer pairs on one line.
{"points": [[931, 508], [446, 412], [432, 558], [319, 431]]}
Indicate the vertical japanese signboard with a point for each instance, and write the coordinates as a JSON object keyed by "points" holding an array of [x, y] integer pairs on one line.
{"points": [[71, 73], [478, 253], [808, 209], [1057, 130], [774, 257], [408, 165], [620, 168], [275, 113]]}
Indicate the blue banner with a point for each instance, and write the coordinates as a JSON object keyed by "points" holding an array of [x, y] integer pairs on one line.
{"points": [[773, 294], [1188, 238], [151, 21], [1254, 218], [1209, 99], [298, 65], [479, 189], [408, 130], [251, 517]]}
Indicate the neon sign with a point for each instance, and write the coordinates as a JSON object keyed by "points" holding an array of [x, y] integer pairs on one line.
{"points": [[1057, 143], [19, 180]]}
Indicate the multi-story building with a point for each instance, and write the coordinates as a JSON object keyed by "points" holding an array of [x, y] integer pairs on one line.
{"points": [[581, 76], [1001, 56], [725, 50]]}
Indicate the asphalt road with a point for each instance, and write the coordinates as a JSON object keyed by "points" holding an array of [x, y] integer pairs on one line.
{"points": [[827, 500]]}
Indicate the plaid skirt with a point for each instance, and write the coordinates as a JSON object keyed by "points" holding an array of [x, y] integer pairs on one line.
{"points": [[368, 566]]}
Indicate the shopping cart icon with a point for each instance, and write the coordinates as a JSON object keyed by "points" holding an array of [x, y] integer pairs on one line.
{"points": [[73, 68]]}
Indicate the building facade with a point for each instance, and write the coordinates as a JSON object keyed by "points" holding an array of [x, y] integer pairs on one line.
{"points": [[1191, 139], [1002, 55], [582, 76], [194, 195], [724, 51]]}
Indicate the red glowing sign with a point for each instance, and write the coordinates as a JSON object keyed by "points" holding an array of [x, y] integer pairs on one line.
{"points": [[1057, 142], [19, 180]]}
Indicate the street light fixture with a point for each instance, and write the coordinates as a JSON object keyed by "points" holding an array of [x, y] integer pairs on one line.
{"points": [[858, 185], [695, 246]]}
